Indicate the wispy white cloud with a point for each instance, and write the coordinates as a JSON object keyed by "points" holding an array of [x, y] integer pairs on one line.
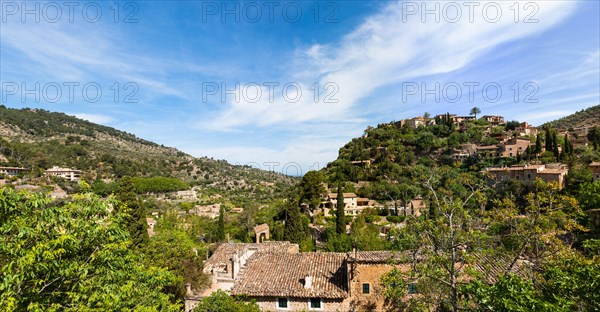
{"points": [[382, 51], [95, 118]]}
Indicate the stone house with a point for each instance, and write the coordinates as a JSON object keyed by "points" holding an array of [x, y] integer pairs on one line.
{"points": [[279, 278], [227, 263], [529, 173], [466, 150], [595, 167], [514, 147], [494, 120], [312, 281], [490, 151], [365, 271], [524, 129]]}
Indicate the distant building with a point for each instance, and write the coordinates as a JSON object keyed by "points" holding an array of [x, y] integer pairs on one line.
{"points": [[210, 211], [514, 147], [186, 195], [494, 120], [595, 167], [489, 151], [465, 151], [261, 232], [353, 205], [529, 173], [65, 173], [524, 129], [12, 171]]}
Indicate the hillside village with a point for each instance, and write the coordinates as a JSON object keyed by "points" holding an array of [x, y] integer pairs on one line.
{"points": [[298, 251]]}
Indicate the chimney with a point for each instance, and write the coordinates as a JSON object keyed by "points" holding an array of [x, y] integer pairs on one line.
{"points": [[235, 265], [214, 277], [307, 281]]}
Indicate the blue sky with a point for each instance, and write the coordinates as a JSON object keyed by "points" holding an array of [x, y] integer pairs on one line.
{"points": [[178, 66]]}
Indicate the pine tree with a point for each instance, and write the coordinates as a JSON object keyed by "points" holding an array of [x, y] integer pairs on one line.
{"points": [[340, 222], [136, 212], [221, 225]]}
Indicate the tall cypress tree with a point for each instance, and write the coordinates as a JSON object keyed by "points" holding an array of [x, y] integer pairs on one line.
{"points": [[294, 229], [538, 144], [135, 210], [549, 140], [221, 225], [340, 222]]}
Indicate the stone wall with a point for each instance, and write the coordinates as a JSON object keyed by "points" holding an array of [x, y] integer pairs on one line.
{"points": [[301, 304]]}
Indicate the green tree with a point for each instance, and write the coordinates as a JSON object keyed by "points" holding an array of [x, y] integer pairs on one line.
{"points": [[549, 144], [509, 293], [134, 208], [220, 301], [294, 230], [594, 137], [538, 145], [73, 256], [174, 249], [312, 188], [534, 231], [340, 212], [445, 240], [220, 233], [475, 111], [589, 195]]}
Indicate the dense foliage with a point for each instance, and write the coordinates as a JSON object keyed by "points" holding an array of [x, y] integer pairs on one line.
{"points": [[73, 256]]}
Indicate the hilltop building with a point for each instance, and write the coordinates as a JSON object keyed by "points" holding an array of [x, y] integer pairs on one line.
{"points": [[353, 205], [65, 173], [494, 120], [529, 173]]}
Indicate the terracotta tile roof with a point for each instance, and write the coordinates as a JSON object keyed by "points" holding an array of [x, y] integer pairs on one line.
{"points": [[283, 274], [595, 164], [346, 195], [491, 147], [491, 267], [376, 256], [223, 253]]}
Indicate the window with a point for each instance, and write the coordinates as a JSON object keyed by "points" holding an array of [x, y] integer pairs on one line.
{"points": [[282, 303], [315, 304], [412, 288], [366, 288]]}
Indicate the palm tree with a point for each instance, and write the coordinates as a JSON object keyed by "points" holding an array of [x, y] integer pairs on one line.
{"points": [[475, 111]]}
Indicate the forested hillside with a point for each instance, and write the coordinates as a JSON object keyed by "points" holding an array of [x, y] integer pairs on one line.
{"points": [[39, 139], [584, 118]]}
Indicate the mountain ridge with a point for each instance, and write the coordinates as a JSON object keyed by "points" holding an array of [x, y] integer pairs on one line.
{"points": [[39, 139]]}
